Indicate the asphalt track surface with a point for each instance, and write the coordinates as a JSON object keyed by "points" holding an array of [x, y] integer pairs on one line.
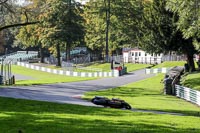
{"points": [[70, 92]]}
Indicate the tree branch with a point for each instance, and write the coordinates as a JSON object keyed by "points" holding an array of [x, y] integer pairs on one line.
{"points": [[16, 25], [2, 2]]}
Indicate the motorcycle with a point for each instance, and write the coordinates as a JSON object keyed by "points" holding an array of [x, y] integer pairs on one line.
{"points": [[113, 103]]}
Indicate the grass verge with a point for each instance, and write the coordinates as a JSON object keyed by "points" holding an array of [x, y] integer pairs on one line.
{"points": [[170, 64], [39, 77], [44, 117], [192, 81], [106, 67], [147, 94]]}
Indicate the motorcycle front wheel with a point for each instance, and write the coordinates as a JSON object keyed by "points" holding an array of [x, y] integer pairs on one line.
{"points": [[127, 106]]}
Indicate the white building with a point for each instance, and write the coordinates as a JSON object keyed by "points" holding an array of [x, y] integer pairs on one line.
{"points": [[136, 55]]}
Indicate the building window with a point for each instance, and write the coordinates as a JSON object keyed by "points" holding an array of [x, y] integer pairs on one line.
{"points": [[139, 53], [136, 53], [145, 54], [133, 54]]}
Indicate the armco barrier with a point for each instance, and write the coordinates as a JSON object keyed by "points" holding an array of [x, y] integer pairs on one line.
{"points": [[113, 73], [188, 94]]}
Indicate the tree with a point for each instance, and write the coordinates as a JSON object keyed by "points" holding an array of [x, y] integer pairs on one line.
{"points": [[9, 11], [75, 30], [121, 21], [129, 16], [28, 36], [61, 25], [95, 26], [2, 42], [189, 19], [159, 32]]}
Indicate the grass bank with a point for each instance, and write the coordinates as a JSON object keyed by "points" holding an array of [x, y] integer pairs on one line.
{"points": [[170, 64], [43, 117], [39, 77], [148, 95], [105, 67], [192, 81]]}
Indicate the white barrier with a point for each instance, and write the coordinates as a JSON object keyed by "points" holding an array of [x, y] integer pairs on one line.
{"points": [[113, 73], [188, 94], [157, 70]]}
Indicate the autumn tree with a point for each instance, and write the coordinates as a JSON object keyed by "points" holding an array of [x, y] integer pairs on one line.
{"points": [[28, 36]]}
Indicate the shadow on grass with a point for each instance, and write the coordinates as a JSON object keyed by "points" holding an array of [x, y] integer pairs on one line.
{"points": [[130, 93], [125, 92], [44, 117]]}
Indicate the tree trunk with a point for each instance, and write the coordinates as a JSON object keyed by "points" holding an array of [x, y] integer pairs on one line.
{"points": [[68, 51], [189, 50], [58, 54], [41, 54], [190, 62]]}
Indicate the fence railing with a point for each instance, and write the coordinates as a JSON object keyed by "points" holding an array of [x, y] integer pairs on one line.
{"points": [[188, 94], [6, 76], [113, 73]]}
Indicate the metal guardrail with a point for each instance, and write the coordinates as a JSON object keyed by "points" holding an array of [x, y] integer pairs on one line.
{"points": [[188, 94]]}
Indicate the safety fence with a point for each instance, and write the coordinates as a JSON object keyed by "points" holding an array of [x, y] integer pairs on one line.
{"points": [[113, 73], [157, 70], [188, 94]]}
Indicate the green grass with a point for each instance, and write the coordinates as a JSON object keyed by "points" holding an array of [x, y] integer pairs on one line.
{"points": [[44, 117], [39, 77], [132, 67], [192, 81], [147, 94], [170, 64], [105, 67]]}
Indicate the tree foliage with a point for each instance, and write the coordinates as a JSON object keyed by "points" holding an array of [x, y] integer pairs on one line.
{"points": [[160, 34], [61, 25], [9, 13], [95, 25], [189, 19], [122, 27]]}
